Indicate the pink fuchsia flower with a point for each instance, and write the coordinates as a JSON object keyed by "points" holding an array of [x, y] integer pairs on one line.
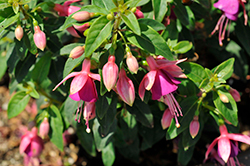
{"points": [[73, 32], [66, 9], [110, 73], [194, 126], [230, 9], [160, 79], [125, 88], [39, 38], [166, 119], [82, 86], [44, 128], [132, 63], [19, 32], [224, 143], [31, 144], [235, 94]]}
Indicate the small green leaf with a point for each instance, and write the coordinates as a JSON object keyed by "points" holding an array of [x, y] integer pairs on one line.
{"points": [[131, 21], [225, 69], [98, 33], [108, 155], [56, 127], [17, 103], [15, 7], [182, 47]]}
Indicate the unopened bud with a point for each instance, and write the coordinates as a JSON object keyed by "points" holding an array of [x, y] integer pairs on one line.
{"points": [[26, 7], [224, 98], [132, 63], [81, 16], [19, 32], [133, 9], [82, 28], [139, 14], [110, 16], [194, 127], [235, 94], [39, 38], [166, 119], [44, 128], [77, 52]]}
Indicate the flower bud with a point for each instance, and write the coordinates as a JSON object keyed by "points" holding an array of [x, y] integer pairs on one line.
{"points": [[19, 32], [235, 94], [224, 98], [110, 73], [81, 16], [44, 128], [166, 119], [139, 14], [125, 88], [194, 126], [132, 63], [82, 28], [77, 52], [39, 38], [110, 16], [73, 32]]}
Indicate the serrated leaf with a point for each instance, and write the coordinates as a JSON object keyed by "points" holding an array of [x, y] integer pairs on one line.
{"points": [[17, 103], [228, 110], [108, 155], [56, 127], [131, 21], [150, 41], [225, 69], [160, 9], [98, 33]]}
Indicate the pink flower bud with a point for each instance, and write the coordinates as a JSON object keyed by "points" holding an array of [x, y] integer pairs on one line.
{"points": [[132, 63], [77, 52], [39, 38], [166, 119], [89, 113], [235, 94], [81, 16], [19, 32], [139, 14], [125, 88], [44, 128], [31, 143], [224, 98], [194, 127], [82, 28], [110, 73], [73, 32]]}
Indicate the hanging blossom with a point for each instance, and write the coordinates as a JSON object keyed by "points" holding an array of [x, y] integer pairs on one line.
{"points": [[226, 143], [161, 82], [230, 9], [83, 88]]}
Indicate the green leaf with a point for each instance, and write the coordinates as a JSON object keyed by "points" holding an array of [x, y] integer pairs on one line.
{"points": [[71, 64], [131, 21], [86, 139], [56, 127], [3, 66], [29, 42], [188, 106], [65, 50], [102, 105], [182, 47], [41, 69], [108, 155], [225, 69], [160, 9], [15, 7], [194, 72], [184, 156], [4, 5], [108, 4], [157, 26], [228, 110], [142, 2], [24, 1], [142, 113], [8, 21], [171, 31], [70, 107], [21, 49], [98, 33], [150, 41], [181, 12], [17, 103]]}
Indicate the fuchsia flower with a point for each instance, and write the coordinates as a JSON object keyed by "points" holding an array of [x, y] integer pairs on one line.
{"points": [[125, 88], [160, 79], [39, 38], [110, 73], [44, 128], [138, 13], [82, 86], [66, 9], [132, 63], [225, 146], [88, 113], [31, 144], [230, 9]]}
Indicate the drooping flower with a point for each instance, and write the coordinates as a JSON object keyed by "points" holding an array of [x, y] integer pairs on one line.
{"points": [[82, 86], [66, 9], [225, 145], [160, 79], [88, 113], [39, 38], [125, 88], [166, 119], [31, 144], [194, 126], [110, 73], [19, 32], [44, 128], [230, 9]]}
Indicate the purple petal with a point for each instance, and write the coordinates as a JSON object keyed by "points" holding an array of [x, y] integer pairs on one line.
{"points": [[88, 92], [232, 17], [75, 96]]}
